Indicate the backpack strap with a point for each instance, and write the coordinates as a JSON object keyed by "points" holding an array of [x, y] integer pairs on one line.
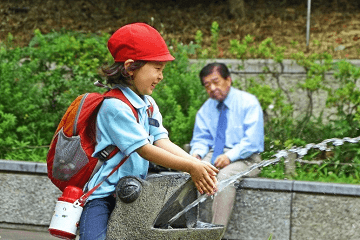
{"points": [[117, 93], [150, 110], [111, 150]]}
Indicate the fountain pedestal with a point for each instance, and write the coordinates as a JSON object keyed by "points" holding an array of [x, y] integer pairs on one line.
{"points": [[144, 207]]}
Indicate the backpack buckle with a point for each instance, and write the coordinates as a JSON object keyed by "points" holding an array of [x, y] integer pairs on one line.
{"points": [[107, 153]]}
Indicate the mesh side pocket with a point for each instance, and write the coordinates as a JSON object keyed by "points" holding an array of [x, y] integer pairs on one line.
{"points": [[69, 157]]}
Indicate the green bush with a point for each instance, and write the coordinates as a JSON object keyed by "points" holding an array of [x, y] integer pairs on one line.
{"points": [[180, 95], [39, 82], [282, 130]]}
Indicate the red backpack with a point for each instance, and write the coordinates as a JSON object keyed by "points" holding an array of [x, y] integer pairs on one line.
{"points": [[69, 160]]}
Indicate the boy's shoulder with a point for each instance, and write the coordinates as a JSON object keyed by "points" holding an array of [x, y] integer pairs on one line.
{"points": [[114, 106]]}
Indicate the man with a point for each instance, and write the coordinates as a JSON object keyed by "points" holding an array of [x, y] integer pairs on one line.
{"points": [[228, 132]]}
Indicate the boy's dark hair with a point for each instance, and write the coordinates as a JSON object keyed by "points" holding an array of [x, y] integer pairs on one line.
{"points": [[117, 74], [211, 67]]}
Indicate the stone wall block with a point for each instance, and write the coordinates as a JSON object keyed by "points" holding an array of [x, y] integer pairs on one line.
{"points": [[318, 217], [27, 199]]}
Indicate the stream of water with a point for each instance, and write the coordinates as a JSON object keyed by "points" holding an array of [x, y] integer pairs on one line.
{"points": [[300, 151], [223, 184]]}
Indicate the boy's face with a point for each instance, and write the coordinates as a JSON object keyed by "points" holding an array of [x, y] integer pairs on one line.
{"points": [[147, 77], [216, 86]]}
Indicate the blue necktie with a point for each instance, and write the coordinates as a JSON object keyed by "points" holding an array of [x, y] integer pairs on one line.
{"points": [[220, 132]]}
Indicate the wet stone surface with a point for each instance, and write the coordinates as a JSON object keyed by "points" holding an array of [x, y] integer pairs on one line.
{"points": [[161, 196]]}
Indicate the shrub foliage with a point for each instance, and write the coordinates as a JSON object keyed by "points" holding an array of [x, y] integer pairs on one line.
{"points": [[38, 82]]}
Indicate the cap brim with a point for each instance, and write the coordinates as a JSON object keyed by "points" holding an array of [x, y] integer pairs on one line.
{"points": [[162, 58]]}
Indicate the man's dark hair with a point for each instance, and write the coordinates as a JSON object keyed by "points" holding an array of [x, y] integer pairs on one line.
{"points": [[211, 67]]}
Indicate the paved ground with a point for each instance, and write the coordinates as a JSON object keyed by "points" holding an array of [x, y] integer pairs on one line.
{"points": [[12, 234]]}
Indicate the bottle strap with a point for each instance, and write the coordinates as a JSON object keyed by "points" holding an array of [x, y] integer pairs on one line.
{"points": [[84, 197], [110, 151]]}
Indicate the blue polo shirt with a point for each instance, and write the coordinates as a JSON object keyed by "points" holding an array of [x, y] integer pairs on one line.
{"points": [[245, 128], [117, 125]]}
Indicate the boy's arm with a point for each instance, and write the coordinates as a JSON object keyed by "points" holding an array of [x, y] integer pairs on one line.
{"points": [[169, 146], [203, 175], [178, 151]]}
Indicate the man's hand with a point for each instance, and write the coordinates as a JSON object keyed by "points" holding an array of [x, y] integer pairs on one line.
{"points": [[222, 161]]}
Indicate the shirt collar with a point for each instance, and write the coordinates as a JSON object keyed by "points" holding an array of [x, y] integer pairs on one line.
{"points": [[133, 98], [228, 98]]}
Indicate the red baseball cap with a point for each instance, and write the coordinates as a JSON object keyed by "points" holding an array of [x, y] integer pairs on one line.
{"points": [[138, 41]]}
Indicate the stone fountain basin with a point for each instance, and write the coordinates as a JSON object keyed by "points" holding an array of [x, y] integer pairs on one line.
{"points": [[161, 197]]}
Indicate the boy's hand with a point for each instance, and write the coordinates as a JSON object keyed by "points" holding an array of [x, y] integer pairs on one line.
{"points": [[204, 176]]}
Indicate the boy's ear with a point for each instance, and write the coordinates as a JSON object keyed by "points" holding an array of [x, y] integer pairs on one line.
{"points": [[127, 64]]}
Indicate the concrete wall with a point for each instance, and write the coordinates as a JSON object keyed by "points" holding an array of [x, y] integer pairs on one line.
{"points": [[27, 195], [285, 209], [292, 210]]}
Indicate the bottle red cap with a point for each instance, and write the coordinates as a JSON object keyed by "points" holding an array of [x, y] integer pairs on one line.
{"points": [[71, 194]]}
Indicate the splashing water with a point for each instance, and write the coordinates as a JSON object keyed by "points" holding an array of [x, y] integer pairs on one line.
{"points": [[223, 184], [283, 153]]}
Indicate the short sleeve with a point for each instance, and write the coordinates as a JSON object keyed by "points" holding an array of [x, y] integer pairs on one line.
{"points": [[117, 125]]}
